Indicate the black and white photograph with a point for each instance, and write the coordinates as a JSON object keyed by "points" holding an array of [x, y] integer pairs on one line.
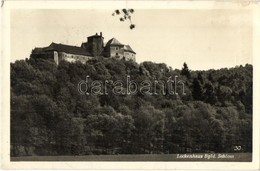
{"points": [[131, 84]]}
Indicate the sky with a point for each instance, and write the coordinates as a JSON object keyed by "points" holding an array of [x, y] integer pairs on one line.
{"points": [[204, 39]]}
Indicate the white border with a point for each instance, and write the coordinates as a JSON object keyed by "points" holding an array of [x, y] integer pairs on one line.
{"points": [[5, 79]]}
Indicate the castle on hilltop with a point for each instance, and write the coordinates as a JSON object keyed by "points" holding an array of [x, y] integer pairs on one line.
{"points": [[94, 47]]}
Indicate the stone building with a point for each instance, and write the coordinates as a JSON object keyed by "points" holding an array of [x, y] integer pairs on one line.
{"points": [[94, 47], [59, 52], [129, 53], [94, 44], [115, 49]]}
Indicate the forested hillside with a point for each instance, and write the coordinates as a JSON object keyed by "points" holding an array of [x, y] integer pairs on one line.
{"points": [[50, 117]]}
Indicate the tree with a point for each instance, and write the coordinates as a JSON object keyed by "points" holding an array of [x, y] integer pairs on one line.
{"points": [[197, 90], [200, 78], [209, 94], [20, 124], [149, 133], [210, 77], [185, 71], [224, 95], [108, 129]]}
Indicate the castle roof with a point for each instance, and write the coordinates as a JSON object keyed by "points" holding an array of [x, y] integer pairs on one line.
{"points": [[38, 50], [96, 35], [114, 41], [129, 49], [67, 49]]}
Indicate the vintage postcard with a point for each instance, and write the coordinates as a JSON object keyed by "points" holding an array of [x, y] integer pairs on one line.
{"points": [[130, 85]]}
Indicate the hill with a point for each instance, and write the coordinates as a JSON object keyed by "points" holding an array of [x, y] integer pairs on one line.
{"points": [[212, 111]]}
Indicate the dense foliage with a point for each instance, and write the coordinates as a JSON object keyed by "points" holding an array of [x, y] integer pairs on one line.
{"points": [[50, 117]]}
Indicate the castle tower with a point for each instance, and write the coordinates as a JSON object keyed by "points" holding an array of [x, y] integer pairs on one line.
{"points": [[94, 45]]}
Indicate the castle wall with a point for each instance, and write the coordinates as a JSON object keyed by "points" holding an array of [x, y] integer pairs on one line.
{"points": [[117, 52], [56, 57], [73, 57], [106, 52], [95, 45], [129, 56]]}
